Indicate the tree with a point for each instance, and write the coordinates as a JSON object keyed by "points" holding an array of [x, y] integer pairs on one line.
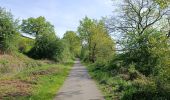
{"points": [[95, 39], [66, 55], [74, 42], [8, 31], [102, 45], [47, 45], [144, 45], [163, 3], [84, 31], [37, 26], [137, 25], [137, 16]]}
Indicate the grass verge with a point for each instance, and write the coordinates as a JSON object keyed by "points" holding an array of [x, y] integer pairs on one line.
{"points": [[35, 82], [102, 78]]}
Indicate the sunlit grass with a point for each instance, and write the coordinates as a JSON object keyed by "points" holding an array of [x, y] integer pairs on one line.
{"points": [[34, 82]]}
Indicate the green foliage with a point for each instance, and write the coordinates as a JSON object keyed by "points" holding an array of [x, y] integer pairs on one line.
{"points": [[37, 26], [25, 44], [84, 55], [144, 66], [96, 42], [8, 32], [139, 73], [65, 55], [163, 3], [47, 45], [74, 43]]}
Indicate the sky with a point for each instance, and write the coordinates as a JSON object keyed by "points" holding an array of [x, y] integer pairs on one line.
{"points": [[63, 14]]}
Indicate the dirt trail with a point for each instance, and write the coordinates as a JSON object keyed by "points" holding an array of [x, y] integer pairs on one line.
{"points": [[79, 86]]}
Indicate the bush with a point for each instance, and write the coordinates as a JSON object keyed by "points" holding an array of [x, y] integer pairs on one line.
{"points": [[8, 32], [65, 55], [25, 44], [120, 80], [46, 47]]}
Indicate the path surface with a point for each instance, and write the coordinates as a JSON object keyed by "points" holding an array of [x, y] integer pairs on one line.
{"points": [[79, 86]]}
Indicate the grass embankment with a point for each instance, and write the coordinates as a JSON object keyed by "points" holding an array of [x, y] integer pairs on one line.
{"points": [[103, 80], [22, 78], [127, 84], [111, 86]]}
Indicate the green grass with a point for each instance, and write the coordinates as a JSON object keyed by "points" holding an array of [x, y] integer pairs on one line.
{"points": [[103, 81], [120, 86], [48, 85], [34, 82]]}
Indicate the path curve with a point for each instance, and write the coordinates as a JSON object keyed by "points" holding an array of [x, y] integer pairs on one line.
{"points": [[79, 86]]}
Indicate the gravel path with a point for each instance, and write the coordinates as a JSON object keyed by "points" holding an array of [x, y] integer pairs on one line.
{"points": [[79, 86]]}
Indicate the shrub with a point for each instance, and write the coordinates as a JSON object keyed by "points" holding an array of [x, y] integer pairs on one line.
{"points": [[25, 44], [8, 32], [64, 55], [46, 47]]}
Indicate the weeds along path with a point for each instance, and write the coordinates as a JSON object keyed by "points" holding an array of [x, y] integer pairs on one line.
{"points": [[79, 86]]}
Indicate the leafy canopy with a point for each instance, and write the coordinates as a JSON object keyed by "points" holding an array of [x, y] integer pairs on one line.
{"points": [[37, 26], [97, 43], [74, 42]]}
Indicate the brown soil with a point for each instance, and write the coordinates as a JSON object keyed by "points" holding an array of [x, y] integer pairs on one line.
{"points": [[18, 87], [45, 72]]}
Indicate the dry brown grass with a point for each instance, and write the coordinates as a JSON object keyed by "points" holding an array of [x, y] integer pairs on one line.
{"points": [[11, 64], [45, 72], [14, 88], [20, 75]]}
